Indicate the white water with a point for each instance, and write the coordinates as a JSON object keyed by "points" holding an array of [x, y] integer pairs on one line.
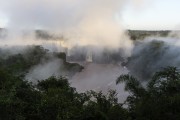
{"points": [[100, 77]]}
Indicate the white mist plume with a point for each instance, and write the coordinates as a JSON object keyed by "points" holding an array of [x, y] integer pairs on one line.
{"points": [[45, 70], [100, 77], [153, 54], [82, 22]]}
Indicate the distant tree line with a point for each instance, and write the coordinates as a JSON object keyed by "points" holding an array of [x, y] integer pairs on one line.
{"points": [[142, 34]]}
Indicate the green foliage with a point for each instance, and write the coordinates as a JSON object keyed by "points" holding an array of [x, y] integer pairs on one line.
{"points": [[18, 99], [54, 99], [160, 100], [19, 64], [104, 107]]}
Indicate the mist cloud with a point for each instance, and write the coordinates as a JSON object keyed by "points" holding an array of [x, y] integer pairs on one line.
{"points": [[82, 22], [152, 55], [100, 77], [45, 70]]}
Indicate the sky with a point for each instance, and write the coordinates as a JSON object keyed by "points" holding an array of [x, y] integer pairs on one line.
{"points": [[155, 14], [145, 15]]}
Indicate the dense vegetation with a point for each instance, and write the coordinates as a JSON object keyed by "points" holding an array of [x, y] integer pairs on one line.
{"points": [[19, 63], [141, 34], [55, 99], [159, 100]]}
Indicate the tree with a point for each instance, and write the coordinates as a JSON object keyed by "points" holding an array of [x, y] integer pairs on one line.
{"points": [[18, 98], [160, 100]]}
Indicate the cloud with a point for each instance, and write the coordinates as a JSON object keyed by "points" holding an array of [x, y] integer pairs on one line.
{"points": [[45, 70], [152, 55], [82, 22]]}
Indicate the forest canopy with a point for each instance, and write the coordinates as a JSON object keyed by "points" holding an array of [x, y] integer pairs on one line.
{"points": [[55, 99]]}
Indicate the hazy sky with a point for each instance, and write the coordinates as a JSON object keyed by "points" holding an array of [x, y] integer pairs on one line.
{"points": [[153, 14]]}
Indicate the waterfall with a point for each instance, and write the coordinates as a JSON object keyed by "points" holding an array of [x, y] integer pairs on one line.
{"points": [[89, 57]]}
